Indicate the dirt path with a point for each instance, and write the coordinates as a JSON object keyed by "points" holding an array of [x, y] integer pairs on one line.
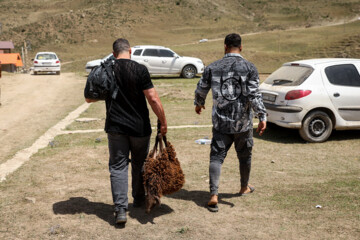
{"points": [[32, 104]]}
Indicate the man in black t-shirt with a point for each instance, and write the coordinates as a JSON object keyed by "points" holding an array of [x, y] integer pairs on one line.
{"points": [[128, 127]]}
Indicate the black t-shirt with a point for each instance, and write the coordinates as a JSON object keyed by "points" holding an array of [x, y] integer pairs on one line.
{"points": [[128, 113]]}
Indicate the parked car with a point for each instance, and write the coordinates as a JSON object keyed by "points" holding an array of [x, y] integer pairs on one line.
{"points": [[90, 65], [160, 61], [314, 96], [163, 61], [46, 62]]}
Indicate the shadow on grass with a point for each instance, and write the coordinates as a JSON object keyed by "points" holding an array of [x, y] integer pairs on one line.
{"points": [[201, 197], [278, 134], [76, 205], [344, 135], [143, 218]]}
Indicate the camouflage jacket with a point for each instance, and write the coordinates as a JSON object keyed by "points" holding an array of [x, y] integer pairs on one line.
{"points": [[235, 88]]}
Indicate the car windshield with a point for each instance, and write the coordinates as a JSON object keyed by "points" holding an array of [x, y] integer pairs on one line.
{"points": [[46, 56], [289, 75]]}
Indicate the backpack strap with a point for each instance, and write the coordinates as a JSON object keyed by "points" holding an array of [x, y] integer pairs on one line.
{"points": [[109, 67], [114, 87]]}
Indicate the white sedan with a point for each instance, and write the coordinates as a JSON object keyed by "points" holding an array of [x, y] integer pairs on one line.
{"points": [[314, 96]]}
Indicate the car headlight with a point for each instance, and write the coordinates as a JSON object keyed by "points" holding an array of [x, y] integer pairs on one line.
{"points": [[199, 61]]}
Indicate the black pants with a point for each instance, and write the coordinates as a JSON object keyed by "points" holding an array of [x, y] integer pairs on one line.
{"points": [[119, 148], [220, 145]]}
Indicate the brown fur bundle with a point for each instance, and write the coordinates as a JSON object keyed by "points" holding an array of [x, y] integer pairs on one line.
{"points": [[162, 174]]}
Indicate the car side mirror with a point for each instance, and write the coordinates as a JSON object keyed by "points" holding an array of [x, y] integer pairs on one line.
{"points": [[177, 56]]}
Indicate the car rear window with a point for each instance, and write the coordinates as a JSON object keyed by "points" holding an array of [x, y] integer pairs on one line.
{"points": [[344, 75], [46, 56], [137, 52], [289, 75]]}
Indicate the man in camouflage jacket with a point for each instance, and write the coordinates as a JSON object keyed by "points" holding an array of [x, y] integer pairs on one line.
{"points": [[234, 82]]}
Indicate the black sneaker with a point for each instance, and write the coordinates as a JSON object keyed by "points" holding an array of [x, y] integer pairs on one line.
{"points": [[120, 216], [138, 203]]}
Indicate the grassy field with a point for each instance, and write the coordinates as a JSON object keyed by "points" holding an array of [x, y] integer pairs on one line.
{"points": [[83, 30], [64, 191], [269, 50]]}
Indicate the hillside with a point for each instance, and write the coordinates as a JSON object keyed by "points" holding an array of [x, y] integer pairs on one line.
{"points": [[82, 30]]}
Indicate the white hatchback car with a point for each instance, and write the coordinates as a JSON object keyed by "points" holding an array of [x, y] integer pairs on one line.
{"points": [[46, 62], [162, 61], [314, 96]]}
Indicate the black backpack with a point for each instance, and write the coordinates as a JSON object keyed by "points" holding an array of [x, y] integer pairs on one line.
{"points": [[101, 83]]}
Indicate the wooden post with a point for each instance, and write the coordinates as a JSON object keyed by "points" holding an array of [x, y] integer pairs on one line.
{"points": [[24, 58]]}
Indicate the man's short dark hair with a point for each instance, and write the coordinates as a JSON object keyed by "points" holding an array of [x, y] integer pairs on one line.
{"points": [[121, 45], [233, 40]]}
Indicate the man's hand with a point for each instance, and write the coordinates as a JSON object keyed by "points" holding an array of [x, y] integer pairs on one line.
{"points": [[163, 129], [89, 100], [198, 109], [261, 128]]}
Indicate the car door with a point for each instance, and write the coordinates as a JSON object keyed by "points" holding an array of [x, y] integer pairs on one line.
{"points": [[150, 58], [169, 63], [342, 83]]}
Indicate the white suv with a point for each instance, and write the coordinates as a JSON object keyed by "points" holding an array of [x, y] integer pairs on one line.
{"points": [[163, 61], [46, 62], [92, 64], [314, 96]]}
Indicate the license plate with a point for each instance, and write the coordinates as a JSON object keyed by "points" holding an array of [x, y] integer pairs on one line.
{"points": [[269, 97], [46, 63]]}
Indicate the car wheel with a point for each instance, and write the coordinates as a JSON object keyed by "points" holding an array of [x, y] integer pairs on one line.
{"points": [[58, 73], [35, 73], [317, 127], [189, 71]]}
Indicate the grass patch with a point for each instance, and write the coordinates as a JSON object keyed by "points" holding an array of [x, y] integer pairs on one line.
{"points": [[70, 184], [269, 50]]}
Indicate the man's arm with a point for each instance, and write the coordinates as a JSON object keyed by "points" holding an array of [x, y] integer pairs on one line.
{"points": [[155, 103], [202, 90], [255, 99]]}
